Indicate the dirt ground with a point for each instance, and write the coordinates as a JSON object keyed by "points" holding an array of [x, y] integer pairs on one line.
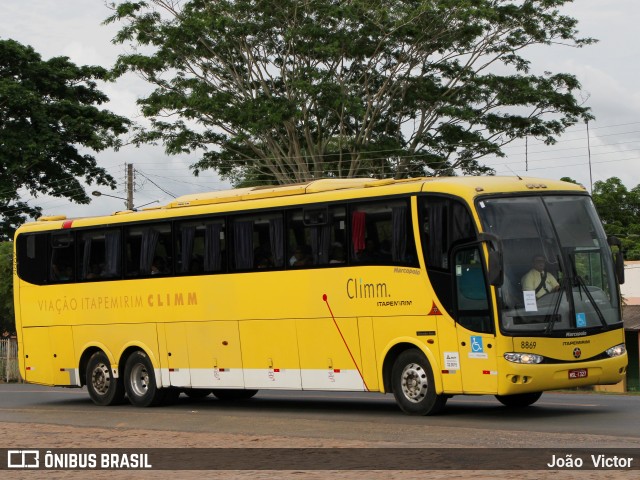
{"points": [[21, 435]]}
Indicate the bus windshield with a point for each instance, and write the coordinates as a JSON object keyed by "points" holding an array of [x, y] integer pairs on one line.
{"points": [[558, 268]]}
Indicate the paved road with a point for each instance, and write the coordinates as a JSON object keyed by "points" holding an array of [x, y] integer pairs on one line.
{"points": [[557, 418]]}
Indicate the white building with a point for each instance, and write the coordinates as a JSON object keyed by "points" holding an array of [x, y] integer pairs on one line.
{"points": [[631, 288]]}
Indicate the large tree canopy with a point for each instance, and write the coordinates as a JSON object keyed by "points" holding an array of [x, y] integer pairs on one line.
{"points": [[47, 113], [7, 322], [619, 209], [293, 90]]}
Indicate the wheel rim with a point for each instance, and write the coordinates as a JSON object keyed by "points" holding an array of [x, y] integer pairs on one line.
{"points": [[414, 382], [101, 379], [139, 380]]}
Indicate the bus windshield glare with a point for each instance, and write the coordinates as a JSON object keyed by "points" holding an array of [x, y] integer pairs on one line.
{"points": [[558, 268]]}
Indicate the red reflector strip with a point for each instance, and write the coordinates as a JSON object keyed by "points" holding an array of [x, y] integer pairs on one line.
{"points": [[222, 369], [67, 223], [336, 370], [276, 369], [486, 372], [27, 368]]}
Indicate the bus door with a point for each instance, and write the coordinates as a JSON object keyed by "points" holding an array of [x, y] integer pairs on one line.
{"points": [[474, 322]]}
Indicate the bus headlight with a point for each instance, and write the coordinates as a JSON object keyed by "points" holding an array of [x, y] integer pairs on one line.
{"points": [[523, 357], [617, 350]]}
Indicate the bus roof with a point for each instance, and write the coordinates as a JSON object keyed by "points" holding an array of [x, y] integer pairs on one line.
{"points": [[467, 187]]}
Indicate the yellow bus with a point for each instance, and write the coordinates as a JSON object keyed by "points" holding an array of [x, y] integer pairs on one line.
{"points": [[421, 288]]}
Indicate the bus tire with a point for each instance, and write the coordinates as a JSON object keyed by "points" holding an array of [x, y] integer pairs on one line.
{"points": [[233, 394], [104, 389], [519, 400], [413, 385], [140, 381]]}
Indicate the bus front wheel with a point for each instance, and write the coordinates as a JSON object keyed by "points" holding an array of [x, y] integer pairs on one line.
{"points": [[140, 381], [104, 389], [413, 385], [519, 400]]}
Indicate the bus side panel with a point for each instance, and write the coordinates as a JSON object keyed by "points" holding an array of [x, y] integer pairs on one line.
{"points": [[17, 287], [329, 354], [214, 354], [38, 359], [65, 366], [448, 342], [270, 354], [368, 353], [177, 350]]}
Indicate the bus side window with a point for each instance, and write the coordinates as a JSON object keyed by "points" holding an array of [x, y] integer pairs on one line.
{"points": [[62, 257], [381, 234], [258, 241], [148, 250], [201, 247], [31, 254], [445, 223], [316, 243], [99, 255]]}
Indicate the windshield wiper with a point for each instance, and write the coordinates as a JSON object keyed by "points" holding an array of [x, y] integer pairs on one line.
{"points": [[582, 286], [556, 307]]}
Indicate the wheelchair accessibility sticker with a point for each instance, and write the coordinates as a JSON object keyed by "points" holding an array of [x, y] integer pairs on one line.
{"points": [[477, 349]]}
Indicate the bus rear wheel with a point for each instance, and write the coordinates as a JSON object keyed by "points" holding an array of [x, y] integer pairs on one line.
{"points": [[413, 385], [234, 394], [519, 400], [140, 381], [104, 389]]}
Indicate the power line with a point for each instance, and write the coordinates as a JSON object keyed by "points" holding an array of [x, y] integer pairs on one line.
{"points": [[158, 186]]}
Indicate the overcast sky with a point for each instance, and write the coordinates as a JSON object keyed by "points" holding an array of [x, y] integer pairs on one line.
{"points": [[608, 71]]}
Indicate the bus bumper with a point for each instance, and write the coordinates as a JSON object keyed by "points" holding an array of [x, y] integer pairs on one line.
{"points": [[519, 378]]}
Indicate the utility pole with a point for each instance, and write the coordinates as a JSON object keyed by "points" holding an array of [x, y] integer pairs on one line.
{"points": [[129, 204], [589, 153]]}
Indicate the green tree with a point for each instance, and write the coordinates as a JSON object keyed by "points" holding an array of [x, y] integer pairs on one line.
{"points": [[48, 111], [291, 90], [618, 209], [7, 321], [569, 180]]}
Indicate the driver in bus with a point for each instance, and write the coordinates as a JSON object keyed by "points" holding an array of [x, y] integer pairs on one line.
{"points": [[538, 279]]}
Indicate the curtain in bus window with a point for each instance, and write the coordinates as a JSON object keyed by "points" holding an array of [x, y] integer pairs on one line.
{"points": [[437, 235], [243, 244], [461, 226], [112, 253], [320, 244], [148, 249], [62, 262], [187, 235], [276, 238], [358, 229], [86, 257], [399, 234], [212, 254]]}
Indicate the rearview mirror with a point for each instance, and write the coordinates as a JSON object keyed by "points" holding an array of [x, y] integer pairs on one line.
{"points": [[618, 257]]}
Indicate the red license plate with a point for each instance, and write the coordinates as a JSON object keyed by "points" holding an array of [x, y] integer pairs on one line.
{"points": [[578, 373]]}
